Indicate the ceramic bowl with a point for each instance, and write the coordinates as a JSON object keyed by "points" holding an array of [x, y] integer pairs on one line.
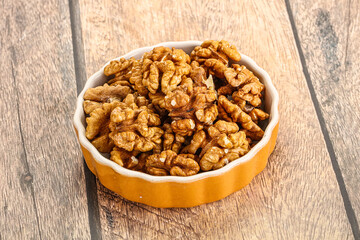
{"points": [[175, 191]]}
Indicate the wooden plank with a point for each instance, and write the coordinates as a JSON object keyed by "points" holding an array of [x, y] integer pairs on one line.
{"points": [[41, 154], [17, 210], [329, 32], [297, 195]]}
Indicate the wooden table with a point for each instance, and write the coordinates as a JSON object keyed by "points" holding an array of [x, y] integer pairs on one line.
{"points": [[310, 188]]}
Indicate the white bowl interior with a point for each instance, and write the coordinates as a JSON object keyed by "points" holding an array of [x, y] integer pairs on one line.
{"points": [[271, 106]]}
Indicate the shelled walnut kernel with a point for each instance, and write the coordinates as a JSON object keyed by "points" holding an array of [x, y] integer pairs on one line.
{"points": [[170, 113]]}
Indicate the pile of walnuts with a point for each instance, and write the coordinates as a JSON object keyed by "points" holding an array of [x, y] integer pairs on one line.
{"points": [[174, 114]]}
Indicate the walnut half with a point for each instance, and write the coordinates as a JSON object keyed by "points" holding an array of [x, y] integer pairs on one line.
{"points": [[168, 162]]}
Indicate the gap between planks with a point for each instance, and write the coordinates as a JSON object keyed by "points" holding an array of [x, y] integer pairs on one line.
{"points": [[80, 74], [339, 177]]}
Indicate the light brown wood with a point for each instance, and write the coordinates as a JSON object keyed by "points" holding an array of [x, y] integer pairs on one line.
{"points": [[42, 186], [17, 211], [329, 33], [297, 195]]}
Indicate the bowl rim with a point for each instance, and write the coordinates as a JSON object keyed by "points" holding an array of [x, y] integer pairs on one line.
{"points": [[274, 119]]}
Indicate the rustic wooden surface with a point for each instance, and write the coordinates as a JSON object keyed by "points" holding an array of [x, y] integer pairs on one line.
{"points": [[43, 192], [307, 191], [329, 33]]}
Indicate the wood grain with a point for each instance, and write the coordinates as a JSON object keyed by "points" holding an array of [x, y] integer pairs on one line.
{"points": [[17, 208], [296, 196], [329, 33], [42, 181]]}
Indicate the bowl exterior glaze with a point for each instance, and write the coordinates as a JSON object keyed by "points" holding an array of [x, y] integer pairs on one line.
{"points": [[178, 194], [171, 191]]}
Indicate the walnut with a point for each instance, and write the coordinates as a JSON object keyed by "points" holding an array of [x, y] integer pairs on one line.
{"points": [[171, 140], [189, 155], [176, 99], [242, 104], [254, 100], [167, 82], [119, 82], [237, 75], [160, 74], [158, 104], [118, 66], [99, 118], [164, 68], [223, 114], [129, 159], [124, 71], [223, 149], [169, 113], [228, 157], [133, 127], [107, 93], [210, 44], [140, 138], [168, 162], [211, 157], [208, 49], [200, 54], [230, 140], [169, 137], [120, 156], [250, 86], [178, 55], [207, 115], [219, 144], [229, 50], [131, 140], [181, 69], [103, 143], [141, 101], [256, 136], [137, 74], [198, 141], [149, 69], [125, 140], [184, 166], [90, 106], [159, 54], [196, 104], [152, 83], [226, 90], [222, 127], [237, 115], [137, 77], [214, 49], [194, 64], [158, 99], [187, 85], [203, 98], [134, 105], [216, 67], [184, 127], [258, 114], [179, 140], [198, 75]]}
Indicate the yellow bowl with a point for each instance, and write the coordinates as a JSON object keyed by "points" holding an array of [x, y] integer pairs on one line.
{"points": [[174, 191]]}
